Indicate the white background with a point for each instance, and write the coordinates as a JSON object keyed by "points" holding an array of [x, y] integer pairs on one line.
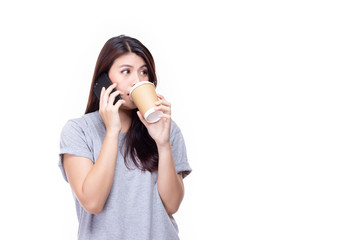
{"points": [[266, 94]]}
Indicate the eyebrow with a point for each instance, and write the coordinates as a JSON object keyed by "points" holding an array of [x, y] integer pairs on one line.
{"points": [[126, 65]]}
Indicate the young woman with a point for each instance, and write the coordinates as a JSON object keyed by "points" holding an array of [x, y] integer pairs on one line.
{"points": [[126, 175]]}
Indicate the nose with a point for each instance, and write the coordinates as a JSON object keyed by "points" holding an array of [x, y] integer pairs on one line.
{"points": [[135, 80]]}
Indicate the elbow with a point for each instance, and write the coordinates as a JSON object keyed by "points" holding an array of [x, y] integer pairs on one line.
{"points": [[172, 205], [93, 207], [94, 210], [170, 210], [91, 204]]}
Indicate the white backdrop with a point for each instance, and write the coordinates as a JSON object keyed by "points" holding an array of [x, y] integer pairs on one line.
{"points": [[266, 94]]}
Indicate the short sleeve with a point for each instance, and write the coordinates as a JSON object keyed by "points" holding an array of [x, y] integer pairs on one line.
{"points": [[73, 141], [179, 151]]}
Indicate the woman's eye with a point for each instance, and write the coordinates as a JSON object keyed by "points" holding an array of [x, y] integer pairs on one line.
{"points": [[125, 71], [144, 72]]}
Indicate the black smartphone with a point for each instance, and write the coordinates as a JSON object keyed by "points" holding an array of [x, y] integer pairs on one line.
{"points": [[103, 81]]}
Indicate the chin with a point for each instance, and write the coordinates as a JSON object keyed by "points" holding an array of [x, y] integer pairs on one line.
{"points": [[128, 106]]}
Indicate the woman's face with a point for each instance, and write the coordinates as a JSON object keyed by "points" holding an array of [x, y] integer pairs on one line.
{"points": [[126, 71]]}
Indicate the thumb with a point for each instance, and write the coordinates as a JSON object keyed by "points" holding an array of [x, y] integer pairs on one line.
{"points": [[142, 119]]}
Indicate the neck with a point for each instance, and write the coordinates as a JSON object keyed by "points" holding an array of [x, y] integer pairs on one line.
{"points": [[125, 118]]}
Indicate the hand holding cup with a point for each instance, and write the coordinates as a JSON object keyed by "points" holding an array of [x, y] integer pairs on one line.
{"points": [[144, 96]]}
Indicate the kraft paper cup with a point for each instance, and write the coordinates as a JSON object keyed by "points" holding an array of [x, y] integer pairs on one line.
{"points": [[144, 96]]}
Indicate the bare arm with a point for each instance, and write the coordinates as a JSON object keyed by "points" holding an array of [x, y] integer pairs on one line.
{"points": [[90, 182], [170, 184]]}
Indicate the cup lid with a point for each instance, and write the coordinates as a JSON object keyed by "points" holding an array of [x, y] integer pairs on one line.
{"points": [[139, 84]]}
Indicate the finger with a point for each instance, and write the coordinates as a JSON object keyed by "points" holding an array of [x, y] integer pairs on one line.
{"points": [[119, 103], [108, 91], [112, 97], [142, 119], [160, 96], [101, 101], [110, 88], [163, 102], [162, 99], [165, 117], [164, 109]]}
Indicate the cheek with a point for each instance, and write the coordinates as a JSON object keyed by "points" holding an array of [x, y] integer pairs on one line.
{"points": [[116, 78], [120, 85], [146, 78]]}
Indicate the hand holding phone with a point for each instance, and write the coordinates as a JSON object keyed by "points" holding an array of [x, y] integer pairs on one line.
{"points": [[103, 81], [110, 117]]}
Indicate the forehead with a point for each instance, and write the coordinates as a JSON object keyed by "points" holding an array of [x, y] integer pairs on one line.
{"points": [[129, 59]]}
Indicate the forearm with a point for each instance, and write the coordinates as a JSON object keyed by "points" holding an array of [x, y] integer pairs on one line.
{"points": [[170, 187], [98, 182]]}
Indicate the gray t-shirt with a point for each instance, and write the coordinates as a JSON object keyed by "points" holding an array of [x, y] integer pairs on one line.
{"points": [[133, 209]]}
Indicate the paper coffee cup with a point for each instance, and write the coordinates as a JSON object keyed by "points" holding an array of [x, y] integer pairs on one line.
{"points": [[144, 96]]}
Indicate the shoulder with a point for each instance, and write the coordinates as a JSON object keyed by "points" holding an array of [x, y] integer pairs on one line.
{"points": [[85, 122], [92, 119], [175, 132], [174, 127]]}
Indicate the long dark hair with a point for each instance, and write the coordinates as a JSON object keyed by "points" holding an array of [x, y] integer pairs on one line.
{"points": [[138, 143]]}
